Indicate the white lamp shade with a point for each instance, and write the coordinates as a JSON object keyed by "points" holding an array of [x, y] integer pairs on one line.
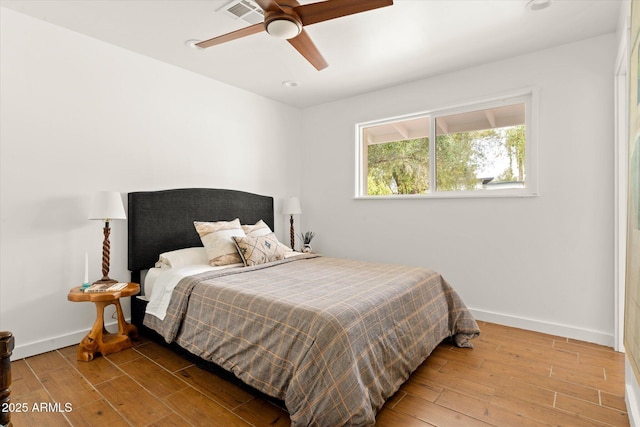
{"points": [[292, 206], [107, 205]]}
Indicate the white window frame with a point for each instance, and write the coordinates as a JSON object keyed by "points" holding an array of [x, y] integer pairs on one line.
{"points": [[527, 96]]}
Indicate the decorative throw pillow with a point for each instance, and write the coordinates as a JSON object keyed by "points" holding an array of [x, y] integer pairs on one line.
{"points": [[259, 250], [260, 228], [217, 240]]}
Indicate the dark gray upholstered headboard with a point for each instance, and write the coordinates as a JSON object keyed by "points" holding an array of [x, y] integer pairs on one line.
{"points": [[161, 221]]}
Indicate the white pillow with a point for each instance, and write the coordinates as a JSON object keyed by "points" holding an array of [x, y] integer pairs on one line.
{"points": [[183, 257], [217, 240]]}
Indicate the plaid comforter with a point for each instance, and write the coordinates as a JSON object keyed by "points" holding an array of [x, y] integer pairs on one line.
{"points": [[332, 338]]}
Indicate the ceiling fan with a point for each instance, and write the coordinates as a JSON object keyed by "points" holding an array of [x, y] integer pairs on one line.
{"points": [[286, 19]]}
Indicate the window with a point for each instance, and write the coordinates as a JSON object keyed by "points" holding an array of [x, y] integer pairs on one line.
{"points": [[478, 150]]}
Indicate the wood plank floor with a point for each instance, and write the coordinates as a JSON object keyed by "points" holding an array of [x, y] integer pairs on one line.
{"points": [[511, 378]]}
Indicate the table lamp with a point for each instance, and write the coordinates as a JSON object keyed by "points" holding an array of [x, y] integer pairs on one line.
{"points": [[106, 206], [292, 207]]}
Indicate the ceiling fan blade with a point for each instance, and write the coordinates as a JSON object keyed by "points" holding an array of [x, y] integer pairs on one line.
{"points": [[247, 31], [331, 9], [305, 46], [269, 5]]}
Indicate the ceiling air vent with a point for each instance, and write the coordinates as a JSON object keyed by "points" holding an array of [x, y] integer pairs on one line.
{"points": [[244, 9]]}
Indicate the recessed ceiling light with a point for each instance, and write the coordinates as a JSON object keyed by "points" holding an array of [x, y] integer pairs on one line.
{"points": [[192, 43], [290, 83], [538, 4]]}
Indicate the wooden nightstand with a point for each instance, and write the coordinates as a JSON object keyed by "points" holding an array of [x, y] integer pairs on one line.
{"points": [[99, 340]]}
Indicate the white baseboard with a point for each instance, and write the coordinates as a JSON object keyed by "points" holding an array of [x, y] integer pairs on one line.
{"points": [[545, 327], [632, 394], [31, 349], [38, 347]]}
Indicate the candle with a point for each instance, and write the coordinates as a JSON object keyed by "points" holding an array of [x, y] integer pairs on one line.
{"points": [[86, 268]]}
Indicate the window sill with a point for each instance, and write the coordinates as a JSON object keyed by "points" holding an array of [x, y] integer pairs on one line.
{"points": [[453, 195]]}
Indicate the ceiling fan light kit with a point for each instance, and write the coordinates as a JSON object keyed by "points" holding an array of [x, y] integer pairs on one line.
{"points": [[283, 28], [286, 19]]}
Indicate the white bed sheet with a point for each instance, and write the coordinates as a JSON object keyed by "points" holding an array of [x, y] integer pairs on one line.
{"points": [[160, 282], [164, 281], [148, 279]]}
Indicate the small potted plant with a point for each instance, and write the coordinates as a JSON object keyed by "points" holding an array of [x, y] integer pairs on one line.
{"points": [[306, 241]]}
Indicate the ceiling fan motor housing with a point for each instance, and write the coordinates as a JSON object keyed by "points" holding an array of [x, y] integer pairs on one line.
{"points": [[283, 25]]}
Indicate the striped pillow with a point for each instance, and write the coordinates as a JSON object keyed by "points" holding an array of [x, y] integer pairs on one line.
{"points": [[260, 228], [217, 240]]}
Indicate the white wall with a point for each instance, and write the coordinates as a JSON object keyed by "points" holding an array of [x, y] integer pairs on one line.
{"points": [[79, 115], [544, 263]]}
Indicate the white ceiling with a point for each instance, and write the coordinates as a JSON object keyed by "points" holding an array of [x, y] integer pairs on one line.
{"points": [[410, 40]]}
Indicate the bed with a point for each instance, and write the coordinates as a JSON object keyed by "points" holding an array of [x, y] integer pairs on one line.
{"points": [[331, 338]]}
